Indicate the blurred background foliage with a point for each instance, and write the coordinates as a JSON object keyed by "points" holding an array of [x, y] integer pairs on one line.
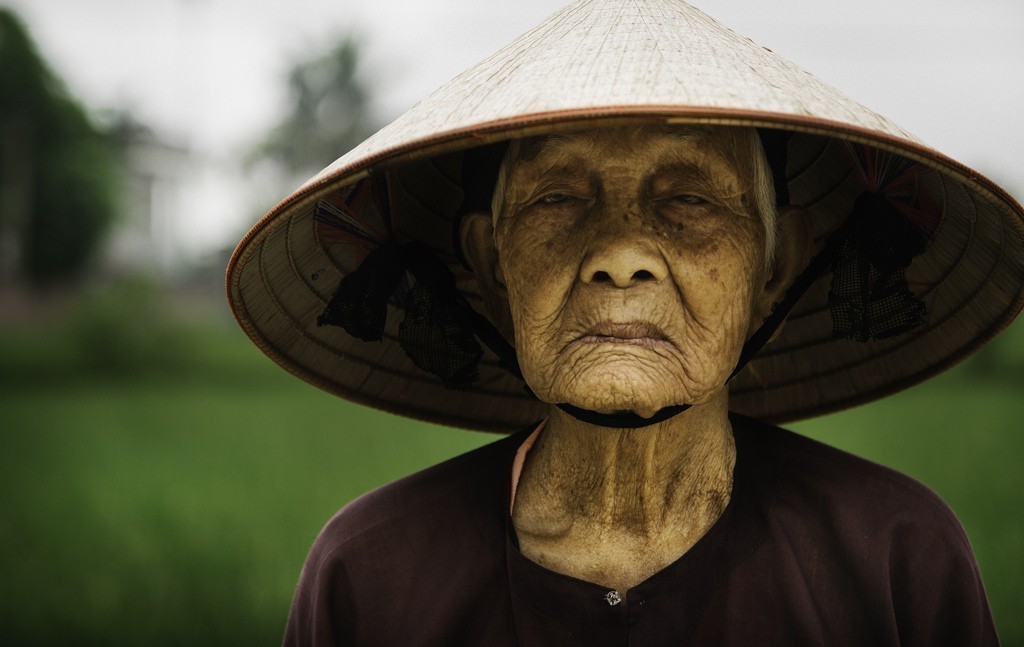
{"points": [[161, 481], [328, 114], [56, 169]]}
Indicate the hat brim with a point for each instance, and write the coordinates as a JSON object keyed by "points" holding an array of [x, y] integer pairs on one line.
{"points": [[283, 274], [602, 63]]}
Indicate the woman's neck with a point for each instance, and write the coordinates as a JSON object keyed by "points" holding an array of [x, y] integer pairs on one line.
{"points": [[634, 498]]}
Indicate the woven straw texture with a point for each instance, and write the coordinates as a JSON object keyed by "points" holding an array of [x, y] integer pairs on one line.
{"points": [[604, 62]]}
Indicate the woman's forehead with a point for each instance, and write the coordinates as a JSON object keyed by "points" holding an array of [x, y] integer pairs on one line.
{"points": [[657, 144]]}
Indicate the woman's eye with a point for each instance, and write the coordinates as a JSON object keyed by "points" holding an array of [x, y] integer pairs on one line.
{"points": [[555, 198], [689, 199]]}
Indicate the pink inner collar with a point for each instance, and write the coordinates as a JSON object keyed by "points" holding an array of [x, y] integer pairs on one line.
{"points": [[520, 459]]}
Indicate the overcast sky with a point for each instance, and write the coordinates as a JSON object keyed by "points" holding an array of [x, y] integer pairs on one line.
{"points": [[209, 73]]}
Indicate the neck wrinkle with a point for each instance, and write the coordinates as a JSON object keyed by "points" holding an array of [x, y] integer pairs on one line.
{"points": [[673, 475]]}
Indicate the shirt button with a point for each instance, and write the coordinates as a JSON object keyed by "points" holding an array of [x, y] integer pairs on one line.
{"points": [[612, 598]]}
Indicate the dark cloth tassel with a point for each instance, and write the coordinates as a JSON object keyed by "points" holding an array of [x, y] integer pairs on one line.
{"points": [[436, 341], [360, 305], [869, 297], [436, 333]]}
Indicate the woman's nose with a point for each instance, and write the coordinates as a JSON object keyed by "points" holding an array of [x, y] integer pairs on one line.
{"points": [[623, 259]]}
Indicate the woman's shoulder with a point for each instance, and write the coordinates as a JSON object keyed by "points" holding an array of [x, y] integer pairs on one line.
{"points": [[466, 490], [836, 485], [413, 559]]}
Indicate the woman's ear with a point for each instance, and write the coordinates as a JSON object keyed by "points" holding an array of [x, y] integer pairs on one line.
{"points": [[476, 236], [792, 254]]}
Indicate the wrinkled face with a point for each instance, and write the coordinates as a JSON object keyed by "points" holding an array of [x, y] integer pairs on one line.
{"points": [[634, 263]]}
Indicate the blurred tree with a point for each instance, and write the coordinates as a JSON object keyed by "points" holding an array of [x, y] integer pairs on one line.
{"points": [[57, 170], [328, 114]]}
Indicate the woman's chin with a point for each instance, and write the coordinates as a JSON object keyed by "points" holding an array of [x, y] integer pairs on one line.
{"points": [[603, 399], [612, 387], [644, 400]]}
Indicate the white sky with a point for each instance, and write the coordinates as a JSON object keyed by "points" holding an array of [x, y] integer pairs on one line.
{"points": [[210, 73]]}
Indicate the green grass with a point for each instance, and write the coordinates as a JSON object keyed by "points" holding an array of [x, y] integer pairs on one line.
{"points": [[177, 508], [172, 501]]}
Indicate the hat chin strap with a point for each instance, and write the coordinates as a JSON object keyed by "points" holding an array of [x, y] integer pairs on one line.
{"points": [[624, 420]]}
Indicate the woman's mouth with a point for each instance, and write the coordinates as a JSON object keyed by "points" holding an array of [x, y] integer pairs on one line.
{"points": [[637, 333]]}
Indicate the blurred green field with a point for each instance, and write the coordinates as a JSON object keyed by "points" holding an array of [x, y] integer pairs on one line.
{"points": [[163, 488]]}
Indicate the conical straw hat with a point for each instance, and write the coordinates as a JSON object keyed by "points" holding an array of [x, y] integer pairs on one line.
{"points": [[606, 62]]}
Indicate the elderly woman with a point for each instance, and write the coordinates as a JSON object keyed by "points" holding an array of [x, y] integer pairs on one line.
{"points": [[630, 265], [636, 214]]}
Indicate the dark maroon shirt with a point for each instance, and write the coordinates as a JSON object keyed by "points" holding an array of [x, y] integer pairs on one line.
{"points": [[816, 547]]}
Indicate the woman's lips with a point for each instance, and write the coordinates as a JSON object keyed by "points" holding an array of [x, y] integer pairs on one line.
{"points": [[638, 333]]}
